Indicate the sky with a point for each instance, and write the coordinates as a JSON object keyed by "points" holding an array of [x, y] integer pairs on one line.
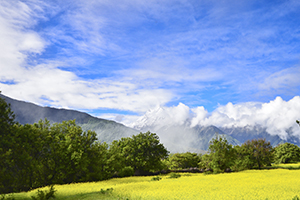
{"points": [[120, 59]]}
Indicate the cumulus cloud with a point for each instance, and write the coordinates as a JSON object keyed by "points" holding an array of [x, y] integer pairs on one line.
{"points": [[277, 116]]}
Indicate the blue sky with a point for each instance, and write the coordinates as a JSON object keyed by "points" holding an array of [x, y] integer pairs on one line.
{"points": [[118, 59]]}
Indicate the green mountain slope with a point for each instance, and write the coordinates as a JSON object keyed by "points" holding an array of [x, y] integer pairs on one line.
{"points": [[107, 130]]}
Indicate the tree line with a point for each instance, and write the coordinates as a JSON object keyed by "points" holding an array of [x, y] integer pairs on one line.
{"points": [[41, 154]]}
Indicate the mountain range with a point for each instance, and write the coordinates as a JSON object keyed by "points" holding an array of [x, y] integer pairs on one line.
{"points": [[179, 137]]}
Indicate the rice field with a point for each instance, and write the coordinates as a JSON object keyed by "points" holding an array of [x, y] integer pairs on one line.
{"points": [[272, 184]]}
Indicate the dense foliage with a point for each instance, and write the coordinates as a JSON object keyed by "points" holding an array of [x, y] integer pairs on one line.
{"points": [[143, 152], [40, 154], [43, 154], [287, 153], [223, 156], [182, 160]]}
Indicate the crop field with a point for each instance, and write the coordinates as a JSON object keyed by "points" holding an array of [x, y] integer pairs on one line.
{"points": [[271, 184]]}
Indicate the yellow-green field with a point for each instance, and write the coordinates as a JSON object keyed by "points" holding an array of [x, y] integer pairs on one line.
{"points": [[251, 184]]}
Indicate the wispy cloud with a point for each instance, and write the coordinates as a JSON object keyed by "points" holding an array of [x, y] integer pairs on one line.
{"points": [[135, 55]]}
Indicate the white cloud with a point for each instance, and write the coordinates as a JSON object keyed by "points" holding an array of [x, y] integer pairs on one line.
{"points": [[160, 50], [278, 116], [46, 83], [286, 79], [16, 43]]}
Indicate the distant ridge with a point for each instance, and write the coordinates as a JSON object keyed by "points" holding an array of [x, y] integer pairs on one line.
{"points": [[107, 130]]}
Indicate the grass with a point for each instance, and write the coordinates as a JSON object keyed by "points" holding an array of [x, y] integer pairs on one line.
{"points": [[251, 184]]}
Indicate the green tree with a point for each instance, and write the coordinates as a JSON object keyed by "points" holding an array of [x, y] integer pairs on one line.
{"points": [[7, 142], [42, 154], [182, 160], [143, 152], [298, 122], [99, 167], [253, 154], [287, 153], [66, 152], [221, 155]]}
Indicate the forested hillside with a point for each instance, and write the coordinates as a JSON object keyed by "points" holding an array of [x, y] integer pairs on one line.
{"points": [[29, 113]]}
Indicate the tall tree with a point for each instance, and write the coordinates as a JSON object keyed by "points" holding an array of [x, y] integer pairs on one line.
{"points": [[221, 155], [254, 154], [143, 152], [7, 142]]}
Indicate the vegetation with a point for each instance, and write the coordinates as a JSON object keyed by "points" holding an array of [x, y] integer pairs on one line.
{"points": [[276, 184], [174, 175], [142, 152], [44, 195], [253, 154], [43, 154], [182, 160], [221, 155], [287, 153]]}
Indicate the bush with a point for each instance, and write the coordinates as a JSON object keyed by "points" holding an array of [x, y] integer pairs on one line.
{"points": [[108, 190], [156, 178], [296, 198], [174, 175], [4, 197], [126, 172], [43, 195]]}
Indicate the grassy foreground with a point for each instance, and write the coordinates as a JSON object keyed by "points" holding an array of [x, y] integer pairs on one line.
{"points": [[251, 184]]}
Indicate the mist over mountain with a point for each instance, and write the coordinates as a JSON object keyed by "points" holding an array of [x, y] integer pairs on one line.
{"points": [[185, 127], [107, 130]]}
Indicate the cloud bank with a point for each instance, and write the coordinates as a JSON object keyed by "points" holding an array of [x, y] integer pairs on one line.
{"points": [[277, 116]]}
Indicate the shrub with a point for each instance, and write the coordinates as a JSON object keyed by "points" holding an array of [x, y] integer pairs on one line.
{"points": [[126, 172], [296, 198], [108, 190], [156, 178], [174, 175], [43, 195], [4, 197]]}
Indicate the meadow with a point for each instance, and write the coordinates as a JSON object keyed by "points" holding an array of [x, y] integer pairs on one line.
{"points": [[250, 184]]}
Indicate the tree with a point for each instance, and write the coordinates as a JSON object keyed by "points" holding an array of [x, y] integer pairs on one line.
{"points": [[7, 122], [298, 122], [182, 160], [67, 152], [254, 154], [142, 152], [221, 155], [287, 153]]}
